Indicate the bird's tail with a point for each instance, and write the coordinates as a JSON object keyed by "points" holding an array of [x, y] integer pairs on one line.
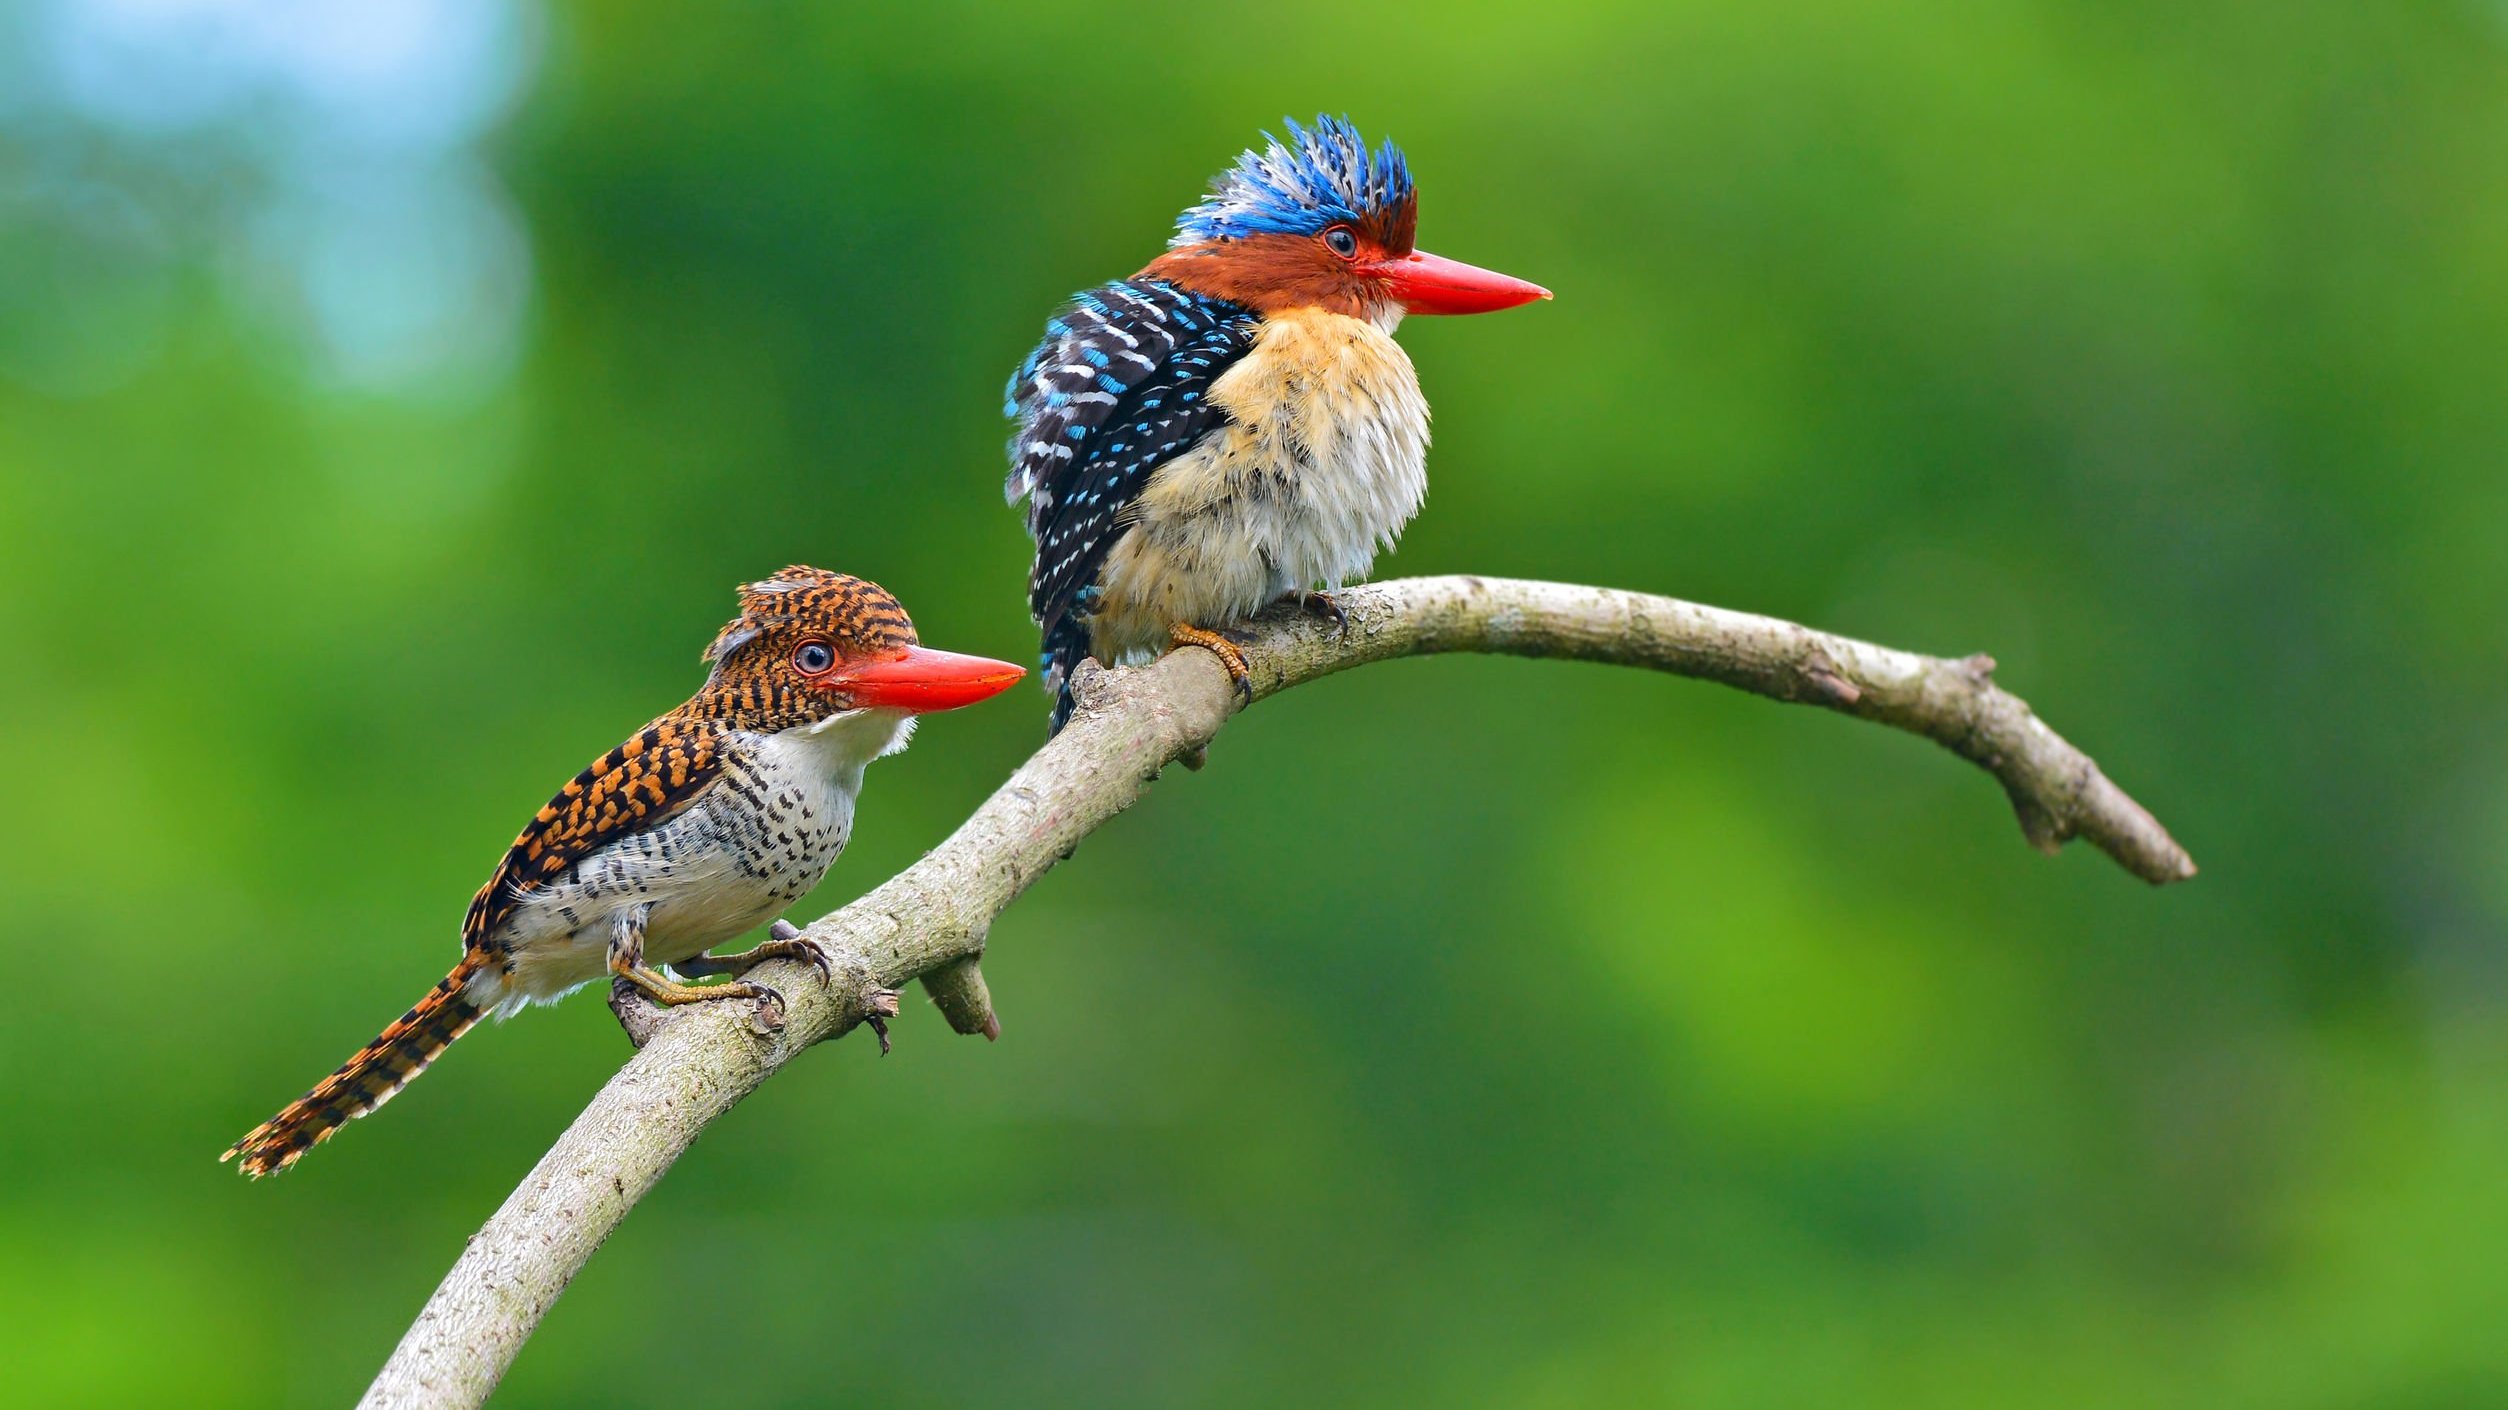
{"points": [[365, 1081], [1066, 646]]}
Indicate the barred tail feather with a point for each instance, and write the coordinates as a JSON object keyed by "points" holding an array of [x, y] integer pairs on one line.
{"points": [[365, 1081]]}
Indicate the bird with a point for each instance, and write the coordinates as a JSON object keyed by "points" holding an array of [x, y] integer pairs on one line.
{"points": [[702, 825], [1234, 424]]}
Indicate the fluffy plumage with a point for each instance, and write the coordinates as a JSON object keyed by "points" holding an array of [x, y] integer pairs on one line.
{"points": [[1147, 506], [1315, 465]]}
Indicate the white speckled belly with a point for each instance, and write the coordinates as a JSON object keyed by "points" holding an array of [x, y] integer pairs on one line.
{"points": [[761, 837], [1322, 464]]}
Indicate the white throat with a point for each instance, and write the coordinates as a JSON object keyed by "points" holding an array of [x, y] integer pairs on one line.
{"points": [[826, 758], [850, 739]]}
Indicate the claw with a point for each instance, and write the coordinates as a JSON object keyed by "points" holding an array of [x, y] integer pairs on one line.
{"points": [[784, 932], [771, 1009], [803, 947], [1326, 606]]}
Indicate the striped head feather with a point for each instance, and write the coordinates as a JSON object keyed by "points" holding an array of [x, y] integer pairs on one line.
{"points": [[855, 616]]}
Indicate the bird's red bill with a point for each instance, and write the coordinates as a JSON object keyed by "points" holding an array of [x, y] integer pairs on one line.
{"points": [[923, 680], [1426, 283]]}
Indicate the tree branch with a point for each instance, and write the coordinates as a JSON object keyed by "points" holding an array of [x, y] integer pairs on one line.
{"points": [[930, 920]]}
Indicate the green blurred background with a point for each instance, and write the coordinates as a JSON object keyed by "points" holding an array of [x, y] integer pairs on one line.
{"points": [[391, 394]]}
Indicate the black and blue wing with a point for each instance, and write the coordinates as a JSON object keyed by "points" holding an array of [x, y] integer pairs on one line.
{"points": [[1119, 387]]}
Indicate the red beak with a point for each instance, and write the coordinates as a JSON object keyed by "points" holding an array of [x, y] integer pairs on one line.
{"points": [[1426, 283], [921, 680]]}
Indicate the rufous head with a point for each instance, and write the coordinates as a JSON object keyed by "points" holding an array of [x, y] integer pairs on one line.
{"points": [[1320, 221], [816, 643]]}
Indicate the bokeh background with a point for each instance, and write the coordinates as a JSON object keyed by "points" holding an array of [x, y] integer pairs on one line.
{"points": [[391, 394]]}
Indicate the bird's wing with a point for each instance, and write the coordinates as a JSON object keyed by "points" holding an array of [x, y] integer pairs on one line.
{"points": [[642, 783], [1151, 423], [1107, 342], [1119, 387]]}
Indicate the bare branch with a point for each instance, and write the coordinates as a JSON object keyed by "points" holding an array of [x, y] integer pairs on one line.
{"points": [[929, 921]]}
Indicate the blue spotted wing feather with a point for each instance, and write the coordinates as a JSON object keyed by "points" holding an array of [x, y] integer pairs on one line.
{"points": [[1119, 387], [1105, 342], [1149, 424]]}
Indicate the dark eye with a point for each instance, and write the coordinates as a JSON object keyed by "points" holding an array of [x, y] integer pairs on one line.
{"points": [[1342, 241], [812, 657]]}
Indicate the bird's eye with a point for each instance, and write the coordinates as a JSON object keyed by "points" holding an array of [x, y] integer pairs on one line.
{"points": [[1342, 241], [812, 657]]}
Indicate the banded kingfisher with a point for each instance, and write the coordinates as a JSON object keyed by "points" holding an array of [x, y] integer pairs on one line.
{"points": [[1234, 424], [702, 825]]}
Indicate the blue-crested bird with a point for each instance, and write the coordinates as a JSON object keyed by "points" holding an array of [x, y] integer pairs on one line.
{"points": [[1234, 424]]}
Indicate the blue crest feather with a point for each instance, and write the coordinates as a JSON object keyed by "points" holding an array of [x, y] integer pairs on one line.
{"points": [[1323, 175]]}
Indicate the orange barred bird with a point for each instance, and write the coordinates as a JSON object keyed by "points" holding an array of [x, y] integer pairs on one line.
{"points": [[706, 823]]}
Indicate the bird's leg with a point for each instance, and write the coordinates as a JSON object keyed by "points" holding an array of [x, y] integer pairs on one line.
{"points": [[627, 963], [784, 942], [1220, 646]]}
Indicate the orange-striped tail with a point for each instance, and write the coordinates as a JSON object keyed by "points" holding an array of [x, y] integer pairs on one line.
{"points": [[365, 1081]]}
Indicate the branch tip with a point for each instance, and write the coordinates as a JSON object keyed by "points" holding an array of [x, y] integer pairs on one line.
{"points": [[958, 990]]}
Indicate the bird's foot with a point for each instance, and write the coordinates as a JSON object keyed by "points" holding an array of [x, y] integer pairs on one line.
{"points": [[1326, 606], [883, 1008], [1229, 653], [670, 993], [785, 942]]}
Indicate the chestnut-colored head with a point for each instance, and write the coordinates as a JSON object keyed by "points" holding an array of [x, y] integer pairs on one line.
{"points": [[1320, 221], [809, 644]]}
